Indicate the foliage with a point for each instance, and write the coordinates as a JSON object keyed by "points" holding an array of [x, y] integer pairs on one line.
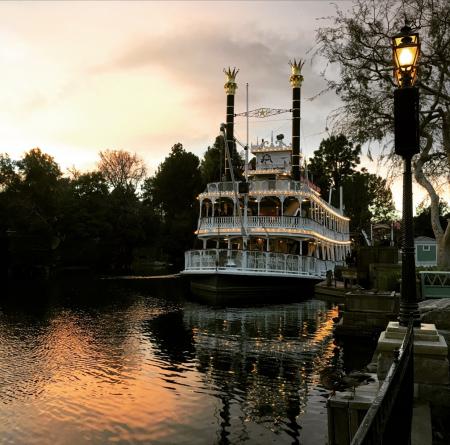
{"points": [[358, 42], [96, 219], [212, 166], [125, 216], [7, 171], [84, 221], [29, 201], [367, 200], [49, 221], [422, 220], [173, 190], [333, 161], [176, 182], [381, 204], [366, 196]]}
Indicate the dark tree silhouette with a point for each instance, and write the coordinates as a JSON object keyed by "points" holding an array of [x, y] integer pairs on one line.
{"points": [[334, 160], [173, 190]]}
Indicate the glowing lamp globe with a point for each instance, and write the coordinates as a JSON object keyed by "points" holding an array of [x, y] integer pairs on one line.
{"points": [[406, 51]]}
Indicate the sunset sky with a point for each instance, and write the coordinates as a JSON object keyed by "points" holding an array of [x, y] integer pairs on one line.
{"points": [[80, 77]]}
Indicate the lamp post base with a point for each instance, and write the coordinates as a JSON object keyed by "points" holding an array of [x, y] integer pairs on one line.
{"points": [[407, 312]]}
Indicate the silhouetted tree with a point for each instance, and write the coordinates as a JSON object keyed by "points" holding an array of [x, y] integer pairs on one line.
{"points": [[212, 166], [124, 214], [121, 168], [333, 161], [32, 197], [173, 189], [85, 222], [8, 172], [367, 200]]}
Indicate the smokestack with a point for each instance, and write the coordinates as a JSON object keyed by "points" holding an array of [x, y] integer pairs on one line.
{"points": [[230, 88], [296, 80]]}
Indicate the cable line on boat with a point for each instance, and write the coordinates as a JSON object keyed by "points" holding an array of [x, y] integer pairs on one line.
{"points": [[230, 166], [262, 224]]}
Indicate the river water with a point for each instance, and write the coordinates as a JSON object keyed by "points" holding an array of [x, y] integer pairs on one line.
{"points": [[130, 367]]}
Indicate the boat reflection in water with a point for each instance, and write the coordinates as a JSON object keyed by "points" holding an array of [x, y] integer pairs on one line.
{"points": [[263, 364], [143, 370]]}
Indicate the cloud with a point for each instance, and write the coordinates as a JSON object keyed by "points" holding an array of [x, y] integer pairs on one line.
{"points": [[195, 61], [122, 83]]}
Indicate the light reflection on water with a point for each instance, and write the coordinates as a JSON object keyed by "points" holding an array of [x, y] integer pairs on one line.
{"points": [[148, 371]]}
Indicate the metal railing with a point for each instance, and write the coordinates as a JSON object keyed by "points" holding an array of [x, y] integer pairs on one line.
{"points": [[261, 185], [289, 223], [244, 261], [224, 186], [435, 284], [389, 418]]}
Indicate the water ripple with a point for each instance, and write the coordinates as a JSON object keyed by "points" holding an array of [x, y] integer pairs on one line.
{"points": [[149, 371]]}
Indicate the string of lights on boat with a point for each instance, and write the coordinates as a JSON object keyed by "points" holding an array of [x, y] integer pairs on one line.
{"points": [[273, 230]]}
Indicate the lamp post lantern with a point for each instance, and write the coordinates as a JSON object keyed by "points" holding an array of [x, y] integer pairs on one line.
{"points": [[406, 51]]}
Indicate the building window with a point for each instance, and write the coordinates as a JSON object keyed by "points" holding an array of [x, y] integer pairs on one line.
{"points": [[426, 248]]}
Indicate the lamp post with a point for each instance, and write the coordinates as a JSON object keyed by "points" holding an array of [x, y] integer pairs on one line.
{"points": [[406, 51]]}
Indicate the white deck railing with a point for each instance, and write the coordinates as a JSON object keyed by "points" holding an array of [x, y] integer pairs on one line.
{"points": [[214, 224], [271, 263], [262, 185]]}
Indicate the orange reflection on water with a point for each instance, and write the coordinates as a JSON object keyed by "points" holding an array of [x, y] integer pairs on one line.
{"points": [[146, 375], [92, 383]]}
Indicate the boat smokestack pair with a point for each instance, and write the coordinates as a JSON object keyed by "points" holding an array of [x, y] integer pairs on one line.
{"points": [[296, 80], [230, 88]]}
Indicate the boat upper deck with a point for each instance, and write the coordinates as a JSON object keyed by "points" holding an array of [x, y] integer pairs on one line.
{"points": [[282, 188], [275, 208]]}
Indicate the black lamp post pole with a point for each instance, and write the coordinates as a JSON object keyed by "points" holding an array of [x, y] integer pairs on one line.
{"points": [[408, 302]]}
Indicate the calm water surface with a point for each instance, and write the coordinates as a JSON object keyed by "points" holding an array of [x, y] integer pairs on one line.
{"points": [[140, 369]]}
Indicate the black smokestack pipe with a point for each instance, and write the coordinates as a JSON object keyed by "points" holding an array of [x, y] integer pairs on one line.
{"points": [[296, 133], [230, 132], [230, 88], [296, 80]]}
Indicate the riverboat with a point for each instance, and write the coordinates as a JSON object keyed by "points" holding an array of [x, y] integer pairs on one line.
{"points": [[270, 235]]}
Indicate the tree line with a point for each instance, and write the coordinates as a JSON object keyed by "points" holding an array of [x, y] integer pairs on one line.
{"points": [[106, 220], [116, 219]]}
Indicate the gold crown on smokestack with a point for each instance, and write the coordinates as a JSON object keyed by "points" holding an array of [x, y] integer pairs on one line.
{"points": [[230, 85], [296, 78]]}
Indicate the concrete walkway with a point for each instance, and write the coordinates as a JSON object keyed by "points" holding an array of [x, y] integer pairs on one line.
{"points": [[421, 433]]}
